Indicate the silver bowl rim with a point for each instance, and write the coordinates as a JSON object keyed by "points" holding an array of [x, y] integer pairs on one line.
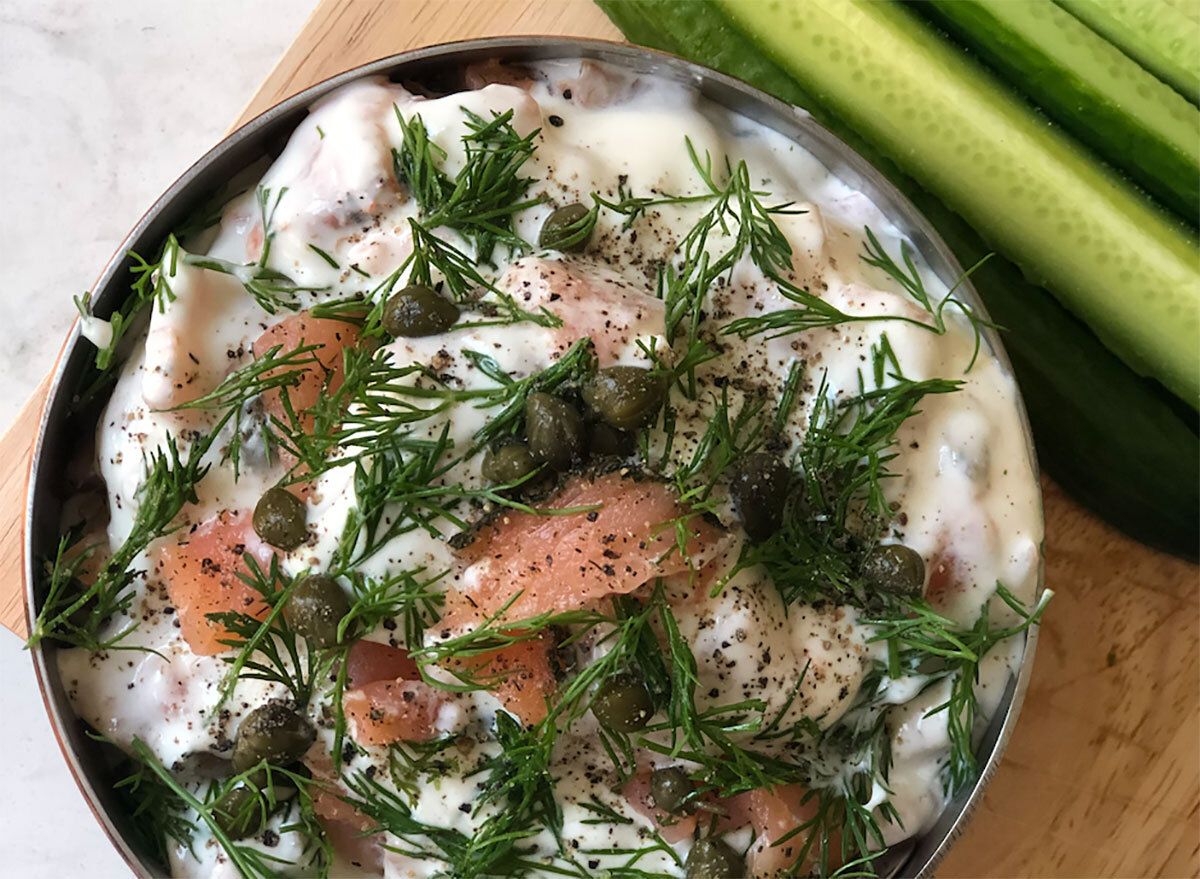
{"points": [[928, 850]]}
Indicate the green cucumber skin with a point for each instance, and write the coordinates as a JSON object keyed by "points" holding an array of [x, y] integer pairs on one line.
{"points": [[1090, 87], [1161, 36], [1108, 437], [1032, 193]]}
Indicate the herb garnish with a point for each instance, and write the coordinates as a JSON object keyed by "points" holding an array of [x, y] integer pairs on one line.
{"points": [[76, 616], [837, 509]]}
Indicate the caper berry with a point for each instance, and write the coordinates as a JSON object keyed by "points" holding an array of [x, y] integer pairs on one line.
{"points": [[561, 226], [713, 859], [758, 486], [894, 569], [669, 790], [272, 732], [507, 462], [315, 608], [279, 519], [623, 704], [627, 397], [604, 439], [239, 812], [418, 310], [554, 430]]}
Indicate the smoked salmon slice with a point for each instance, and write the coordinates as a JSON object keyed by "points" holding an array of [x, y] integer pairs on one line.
{"points": [[774, 813], [383, 712], [553, 563], [302, 329], [370, 661], [202, 577]]}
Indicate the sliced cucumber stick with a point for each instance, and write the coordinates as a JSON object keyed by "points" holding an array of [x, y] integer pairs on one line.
{"points": [[1161, 35], [1090, 87], [1033, 194]]}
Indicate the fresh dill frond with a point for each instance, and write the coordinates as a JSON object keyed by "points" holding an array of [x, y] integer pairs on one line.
{"points": [[404, 594], [273, 370], [150, 285], [479, 203], [836, 509], [269, 782], [157, 813], [922, 641], [268, 649], [75, 616], [518, 783], [460, 656], [410, 762], [909, 278], [725, 439], [273, 290], [810, 313]]}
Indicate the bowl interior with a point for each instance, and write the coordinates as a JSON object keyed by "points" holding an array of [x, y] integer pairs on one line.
{"points": [[66, 424]]}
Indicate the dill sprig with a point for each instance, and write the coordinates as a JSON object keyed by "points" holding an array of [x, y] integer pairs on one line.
{"points": [[267, 781], [274, 370], [157, 813], [269, 649], [149, 285], [378, 403], [404, 594], [272, 289], [76, 615], [517, 786], [922, 641], [488, 190], [837, 507], [910, 280], [409, 761]]}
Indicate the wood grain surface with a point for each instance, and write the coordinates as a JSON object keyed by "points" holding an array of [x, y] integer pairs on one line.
{"points": [[1102, 777]]}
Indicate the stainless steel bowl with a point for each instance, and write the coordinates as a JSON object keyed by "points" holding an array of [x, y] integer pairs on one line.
{"points": [[439, 68]]}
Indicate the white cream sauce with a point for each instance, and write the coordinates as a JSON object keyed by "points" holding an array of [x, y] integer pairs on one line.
{"points": [[965, 488]]}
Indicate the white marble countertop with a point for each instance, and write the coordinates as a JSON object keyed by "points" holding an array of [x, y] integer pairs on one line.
{"points": [[102, 105]]}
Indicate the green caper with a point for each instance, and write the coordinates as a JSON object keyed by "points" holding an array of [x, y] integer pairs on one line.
{"points": [[507, 462], [623, 704], [604, 439], [418, 310], [758, 487], [713, 859], [562, 229], [669, 789], [627, 397], [894, 569], [314, 609], [272, 732], [279, 519], [239, 812], [554, 429]]}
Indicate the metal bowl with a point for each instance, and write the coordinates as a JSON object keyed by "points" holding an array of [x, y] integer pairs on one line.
{"points": [[439, 68]]}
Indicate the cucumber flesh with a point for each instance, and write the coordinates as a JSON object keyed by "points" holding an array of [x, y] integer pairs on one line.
{"points": [[1108, 437], [1163, 37], [1032, 193], [1090, 87]]}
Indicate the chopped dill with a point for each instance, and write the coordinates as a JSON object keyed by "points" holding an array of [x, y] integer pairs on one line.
{"points": [[268, 649], [74, 613], [837, 509]]}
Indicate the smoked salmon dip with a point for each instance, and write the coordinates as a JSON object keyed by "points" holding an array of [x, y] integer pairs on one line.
{"points": [[562, 477]]}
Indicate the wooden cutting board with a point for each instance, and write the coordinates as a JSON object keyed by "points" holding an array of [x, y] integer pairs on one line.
{"points": [[1102, 777]]}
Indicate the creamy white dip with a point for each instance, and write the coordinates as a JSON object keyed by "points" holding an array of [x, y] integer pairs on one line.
{"points": [[963, 481]]}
